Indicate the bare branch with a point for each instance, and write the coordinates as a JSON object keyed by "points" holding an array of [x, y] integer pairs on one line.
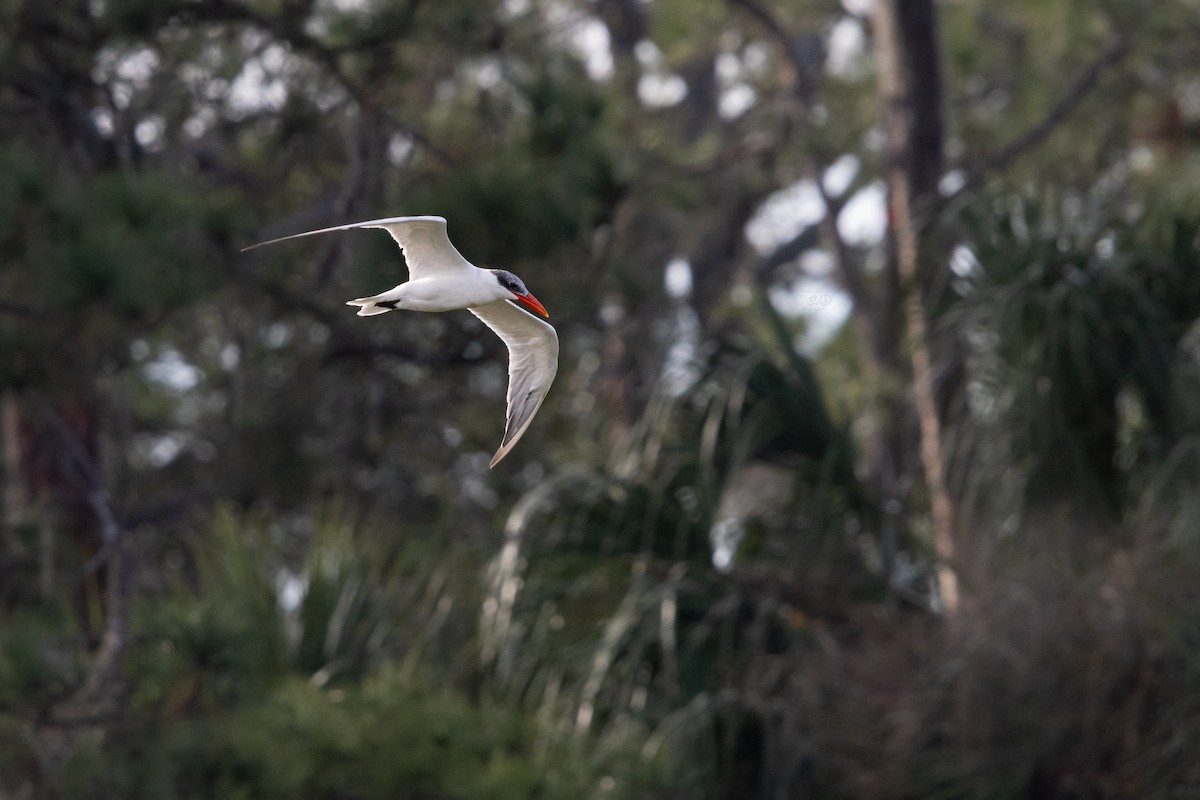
{"points": [[790, 250], [284, 30], [76, 456], [432, 147], [1070, 100], [1037, 133], [280, 28], [852, 279], [804, 53], [96, 697]]}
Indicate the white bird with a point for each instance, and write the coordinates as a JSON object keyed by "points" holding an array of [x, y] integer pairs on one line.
{"points": [[440, 279]]}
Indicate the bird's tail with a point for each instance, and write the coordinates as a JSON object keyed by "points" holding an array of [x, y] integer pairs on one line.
{"points": [[370, 306]]}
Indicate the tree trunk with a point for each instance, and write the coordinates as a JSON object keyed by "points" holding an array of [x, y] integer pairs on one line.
{"points": [[50, 457], [911, 94]]}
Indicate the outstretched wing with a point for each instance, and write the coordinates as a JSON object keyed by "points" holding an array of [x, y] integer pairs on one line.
{"points": [[426, 246], [532, 363]]}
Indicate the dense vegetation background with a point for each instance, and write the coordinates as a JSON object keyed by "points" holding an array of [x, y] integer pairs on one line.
{"points": [[827, 501]]}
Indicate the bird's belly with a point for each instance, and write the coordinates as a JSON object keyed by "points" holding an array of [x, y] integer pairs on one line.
{"points": [[437, 294]]}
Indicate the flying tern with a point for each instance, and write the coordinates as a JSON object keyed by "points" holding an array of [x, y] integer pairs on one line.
{"points": [[440, 279]]}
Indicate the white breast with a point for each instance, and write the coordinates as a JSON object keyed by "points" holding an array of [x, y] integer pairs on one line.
{"points": [[450, 292]]}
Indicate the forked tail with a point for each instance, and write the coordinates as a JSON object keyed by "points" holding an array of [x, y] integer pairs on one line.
{"points": [[370, 306]]}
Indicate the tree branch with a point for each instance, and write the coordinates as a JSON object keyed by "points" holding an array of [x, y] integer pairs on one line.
{"points": [[96, 697], [852, 279], [76, 456], [804, 54], [282, 29], [420, 138], [1058, 114], [1037, 133], [790, 250]]}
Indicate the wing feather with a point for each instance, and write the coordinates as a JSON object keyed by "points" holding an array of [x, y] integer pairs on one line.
{"points": [[532, 364], [426, 245]]}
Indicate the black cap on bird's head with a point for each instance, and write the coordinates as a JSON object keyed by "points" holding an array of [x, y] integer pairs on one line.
{"points": [[515, 285], [510, 281]]}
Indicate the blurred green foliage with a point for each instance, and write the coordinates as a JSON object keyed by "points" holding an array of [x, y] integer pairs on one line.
{"points": [[232, 694], [251, 546]]}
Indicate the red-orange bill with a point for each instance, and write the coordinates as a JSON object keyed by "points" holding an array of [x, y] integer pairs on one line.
{"points": [[531, 302]]}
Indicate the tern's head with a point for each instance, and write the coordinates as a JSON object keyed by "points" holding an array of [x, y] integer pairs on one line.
{"points": [[516, 287]]}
